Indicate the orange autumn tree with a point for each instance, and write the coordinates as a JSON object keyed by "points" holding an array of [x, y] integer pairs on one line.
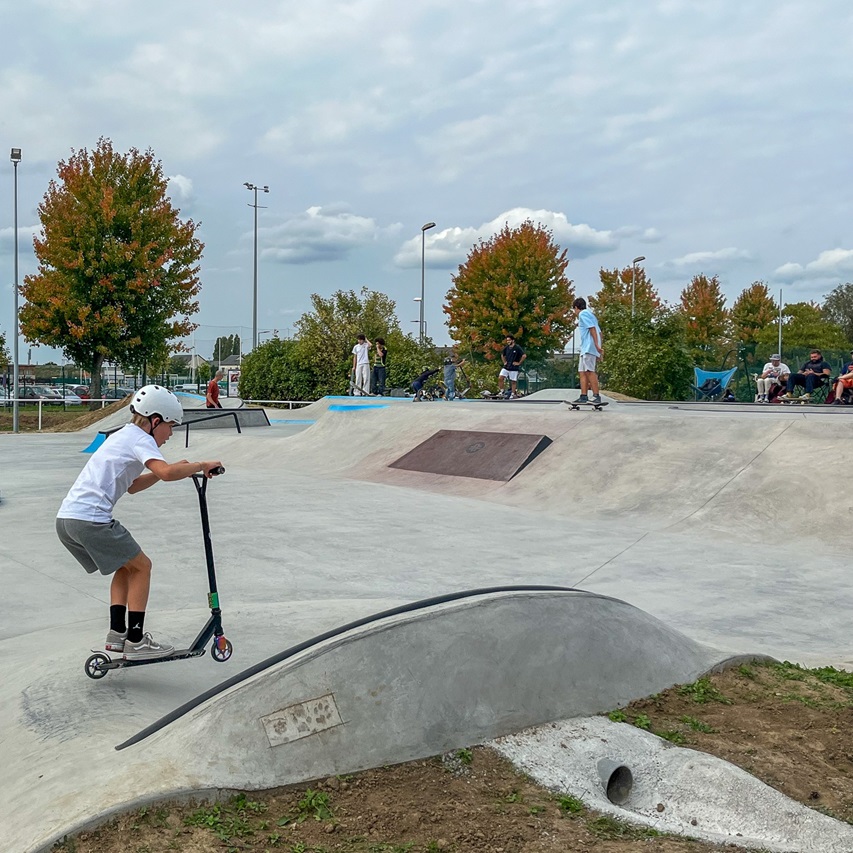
{"points": [[514, 283], [706, 320], [118, 269]]}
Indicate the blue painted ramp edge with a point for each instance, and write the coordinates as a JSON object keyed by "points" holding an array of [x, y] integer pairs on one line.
{"points": [[338, 408], [97, 441]]}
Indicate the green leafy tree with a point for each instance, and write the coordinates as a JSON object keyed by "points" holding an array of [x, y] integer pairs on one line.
{"points": [[703, 308], [805, 325], [276, 370], [616, 287], [326, 335], [513, 283], [4, 353], [838, 308], [118, 269], [754, 310], [644, 355], [226, 345]]}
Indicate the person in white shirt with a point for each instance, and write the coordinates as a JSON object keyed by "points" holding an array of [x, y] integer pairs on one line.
{"points": [[774, 373], [85, 523], [361, 366]]}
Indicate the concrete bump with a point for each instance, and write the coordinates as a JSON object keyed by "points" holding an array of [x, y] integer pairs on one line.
{"points": [[470, 453]]}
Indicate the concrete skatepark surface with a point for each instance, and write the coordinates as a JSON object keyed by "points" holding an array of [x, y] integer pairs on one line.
{"points": [[672, 511]]}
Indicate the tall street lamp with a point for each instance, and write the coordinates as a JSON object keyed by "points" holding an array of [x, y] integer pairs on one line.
{"points": [[15, 158], [265, 189], [424, 229], [634, 280]]}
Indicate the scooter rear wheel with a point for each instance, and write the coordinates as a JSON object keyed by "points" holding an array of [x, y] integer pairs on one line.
{"points": [[93, 665], [221, 649]]}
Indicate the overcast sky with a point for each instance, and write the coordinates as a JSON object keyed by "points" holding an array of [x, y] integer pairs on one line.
{"points": [[710, 137]]}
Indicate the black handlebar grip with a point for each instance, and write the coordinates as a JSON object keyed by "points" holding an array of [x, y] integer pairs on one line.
{"points": [[215, 472]]}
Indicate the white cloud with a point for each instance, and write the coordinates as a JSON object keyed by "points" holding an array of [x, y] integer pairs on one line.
{"points": [[831, 265], [450, 247], [319, 234], [25, 239], [717, 258]]}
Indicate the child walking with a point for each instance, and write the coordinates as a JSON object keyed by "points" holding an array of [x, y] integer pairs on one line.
{"points": [[85, 523]]}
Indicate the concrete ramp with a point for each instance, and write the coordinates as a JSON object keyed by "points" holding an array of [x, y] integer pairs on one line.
{"points": [[428, 678], [467, 453]]}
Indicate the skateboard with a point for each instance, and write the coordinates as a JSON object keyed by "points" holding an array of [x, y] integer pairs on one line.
{"points": [[501, 397], [795, 401], [576, 407]]}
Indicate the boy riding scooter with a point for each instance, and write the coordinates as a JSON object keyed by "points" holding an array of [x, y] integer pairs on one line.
{"points": [[85, 523]]}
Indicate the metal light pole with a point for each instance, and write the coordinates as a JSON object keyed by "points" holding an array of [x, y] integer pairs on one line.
{"points": [[424, 229], [634, 280], [15, 158], [265, 189]]}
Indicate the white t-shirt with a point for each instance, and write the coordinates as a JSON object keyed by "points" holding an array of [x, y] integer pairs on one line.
{"points": [[109, 474], [360, 353], [775, 370]]}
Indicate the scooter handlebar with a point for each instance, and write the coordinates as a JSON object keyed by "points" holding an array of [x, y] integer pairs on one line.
{"points": [[215, 472]]}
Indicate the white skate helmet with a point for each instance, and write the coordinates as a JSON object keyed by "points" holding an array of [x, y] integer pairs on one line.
{"points": [[157, 400]]}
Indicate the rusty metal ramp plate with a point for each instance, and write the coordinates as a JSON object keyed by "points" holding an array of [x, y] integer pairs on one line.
{"points": [[465, 453]]}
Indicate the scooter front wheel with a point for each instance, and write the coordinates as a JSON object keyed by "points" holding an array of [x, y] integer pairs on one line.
{"points": [[221, 649], [94, 665]]}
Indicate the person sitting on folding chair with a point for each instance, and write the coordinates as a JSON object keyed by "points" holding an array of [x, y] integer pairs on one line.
{"points": [[844, 384], [771, 376], [814, 373]]}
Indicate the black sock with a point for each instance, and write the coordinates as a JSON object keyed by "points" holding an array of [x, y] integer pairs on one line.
{"points": [[135, 621], [117, 622]]}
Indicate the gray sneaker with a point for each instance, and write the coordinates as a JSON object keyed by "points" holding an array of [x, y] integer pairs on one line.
{"points": [[582, 399], [146, 649], [596, 398], [115, 641]]}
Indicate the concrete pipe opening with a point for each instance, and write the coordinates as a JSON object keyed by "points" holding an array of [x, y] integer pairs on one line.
{"points": [[617, 780]]}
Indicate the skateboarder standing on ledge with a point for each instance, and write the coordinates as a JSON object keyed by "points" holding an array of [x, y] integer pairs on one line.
{"points": [[512, 355], [591, 351], [361, 366]]}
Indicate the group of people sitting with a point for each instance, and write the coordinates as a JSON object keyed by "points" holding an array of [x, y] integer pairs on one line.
{"points": [[815, 373]]}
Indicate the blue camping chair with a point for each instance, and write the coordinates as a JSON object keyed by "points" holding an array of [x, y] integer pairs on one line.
{"points": [[711, 384]]}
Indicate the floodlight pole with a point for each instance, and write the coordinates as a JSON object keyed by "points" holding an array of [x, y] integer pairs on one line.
{"points": [[634, 281], [15, 158], [422, 326], [265, 189]]}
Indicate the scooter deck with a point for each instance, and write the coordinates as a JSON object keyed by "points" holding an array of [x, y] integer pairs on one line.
{"points": [[116, 660]]}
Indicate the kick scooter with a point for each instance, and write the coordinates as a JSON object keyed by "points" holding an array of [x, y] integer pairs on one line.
{"points": [[100, 663]]}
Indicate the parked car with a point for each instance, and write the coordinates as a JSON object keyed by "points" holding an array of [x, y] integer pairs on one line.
{"points": [[187, 388], [34, 393], [72, 399], [82, 391], [116, 393]]}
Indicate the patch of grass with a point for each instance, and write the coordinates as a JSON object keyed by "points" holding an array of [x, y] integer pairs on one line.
{"points": [[618, 716], [789, 671], [697, 725], [221, 821], [608, 827], [513, 797], [672, 735], [641, 721], [570, 805], [702, 691], [465, 756], [313, 804], [746, 671]]}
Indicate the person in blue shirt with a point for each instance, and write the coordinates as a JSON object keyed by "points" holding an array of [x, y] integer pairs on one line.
{"points": [[591, 351]]}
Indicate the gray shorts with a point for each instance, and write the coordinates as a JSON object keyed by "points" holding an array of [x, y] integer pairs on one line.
{"points": [[587, 363], [97, 546]]}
